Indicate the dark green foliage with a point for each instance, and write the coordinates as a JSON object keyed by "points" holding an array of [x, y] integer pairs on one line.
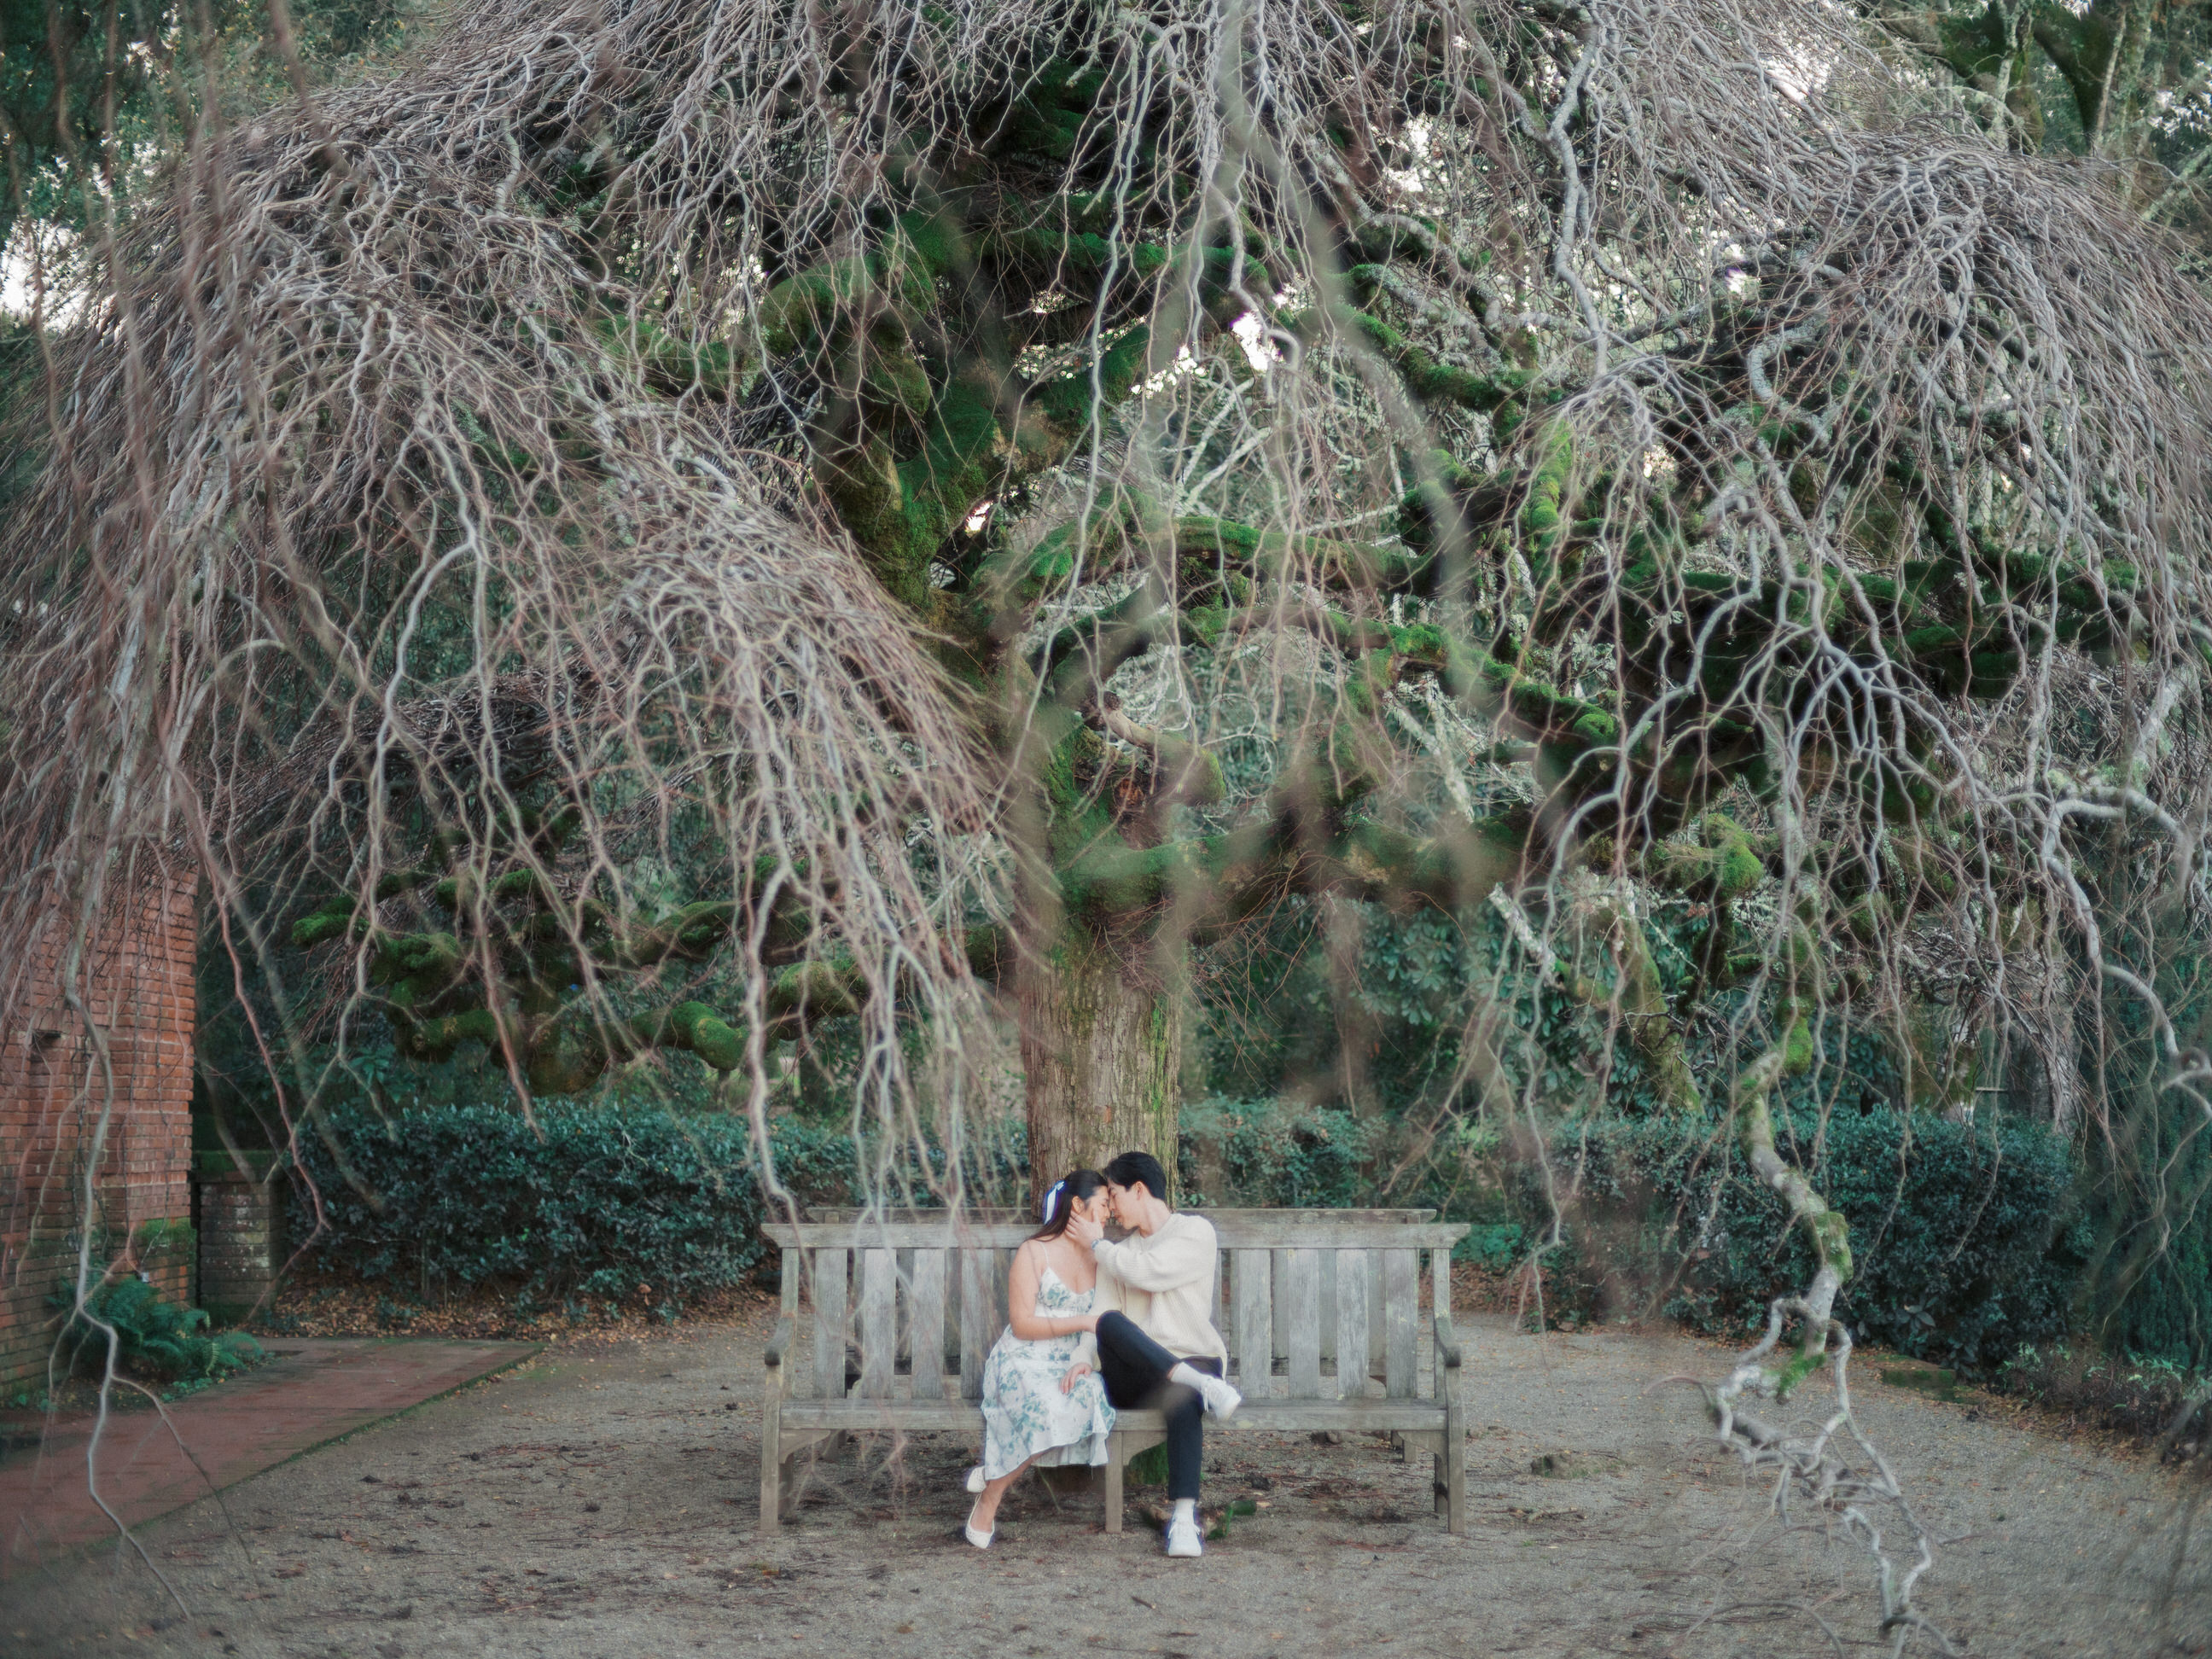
{"points": [[597, 1203], [1264, 1153], [152, 1339], [1496, 1245], [593, 1203], [1968, 1239], [2151, 1291]]}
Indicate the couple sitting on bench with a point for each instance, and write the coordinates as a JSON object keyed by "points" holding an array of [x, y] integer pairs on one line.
{"points": [[1095, 1325]]}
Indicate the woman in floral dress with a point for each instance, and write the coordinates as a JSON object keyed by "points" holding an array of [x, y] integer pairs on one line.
{"points": [[1043, 1402]]}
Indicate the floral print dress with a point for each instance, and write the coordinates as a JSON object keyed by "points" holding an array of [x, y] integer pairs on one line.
{"points": [[1025, 1415]]}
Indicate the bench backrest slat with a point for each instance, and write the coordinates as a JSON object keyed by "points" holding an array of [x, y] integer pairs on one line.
{"points": [[1350, 1324], [1252, 1345], [901, 1307], [878, 1323], [927, 1340], [831, 1266], [976, 1332], [1302, 1320], [1401, 1303]]}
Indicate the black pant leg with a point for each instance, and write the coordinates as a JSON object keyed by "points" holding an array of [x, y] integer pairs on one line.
{"points": [[1133, 1365], [1186, 1432], [1134, 1369]]}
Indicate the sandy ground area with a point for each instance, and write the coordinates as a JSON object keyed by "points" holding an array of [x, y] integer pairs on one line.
{"points": [[601, 1502]]}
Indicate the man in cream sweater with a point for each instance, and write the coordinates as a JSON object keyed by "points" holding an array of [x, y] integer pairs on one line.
{"points": [[1156, 1343]]}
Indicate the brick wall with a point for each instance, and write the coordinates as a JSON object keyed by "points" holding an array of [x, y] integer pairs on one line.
{"points": [[240, 1217], [72, 1143]]}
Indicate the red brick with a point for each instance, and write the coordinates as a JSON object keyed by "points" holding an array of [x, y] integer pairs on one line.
{"points": [[69, 1127]]}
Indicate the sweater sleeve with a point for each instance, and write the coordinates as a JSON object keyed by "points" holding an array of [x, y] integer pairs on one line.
{"points": [[1183, 1256]]}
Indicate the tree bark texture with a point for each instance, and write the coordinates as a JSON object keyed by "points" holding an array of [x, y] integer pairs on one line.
{"points": [[1102, 1057]]}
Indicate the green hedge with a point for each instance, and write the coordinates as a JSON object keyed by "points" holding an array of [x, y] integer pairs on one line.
{"points": [[592, 1203], [1272, 1154], [1968, 1240]]}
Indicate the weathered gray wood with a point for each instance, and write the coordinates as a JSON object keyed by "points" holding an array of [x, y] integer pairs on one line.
{"points": [[1402, 1310], [1327, 1307], [1352, 1286], [1114, 1460], [1251, 1229], [1379, 1352], [789, 1284], [878, 1323], [976, 1331], [1303, 1294], [953, 1278], [1455, 1458], [905, 1278], [1351, 1324], [830, 1268], [1440, 1305], [1278, 1264], [775, 1386], [849, 1215], [1252, 1325], [853, 1415], [926, 1299]]}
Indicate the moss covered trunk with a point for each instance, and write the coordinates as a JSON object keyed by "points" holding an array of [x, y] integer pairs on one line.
{"points": [[1102, 1058]]}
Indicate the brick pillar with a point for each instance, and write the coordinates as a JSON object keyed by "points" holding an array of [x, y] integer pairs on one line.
{"points": [[93, 1148], [241, 1238]]}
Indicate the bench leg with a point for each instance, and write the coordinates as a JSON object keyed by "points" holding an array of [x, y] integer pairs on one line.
{"points": [[1453, 1469], [771, 1469], [790, 1479], [1113, 1483]]}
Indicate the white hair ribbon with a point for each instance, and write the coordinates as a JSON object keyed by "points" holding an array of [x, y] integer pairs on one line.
{"points": [[1051, 1196]]}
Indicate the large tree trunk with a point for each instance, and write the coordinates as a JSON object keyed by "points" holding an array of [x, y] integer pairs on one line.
{"points": [[1102, 1058]]}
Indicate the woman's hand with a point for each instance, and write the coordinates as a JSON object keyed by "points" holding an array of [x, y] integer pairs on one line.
{"points": [[1076, 1373]]}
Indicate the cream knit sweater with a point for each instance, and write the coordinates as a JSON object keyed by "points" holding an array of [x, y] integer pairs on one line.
{"points": [[1168, 1283]]}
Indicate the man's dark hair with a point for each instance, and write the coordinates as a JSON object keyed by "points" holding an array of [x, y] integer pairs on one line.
{"points": [[1131, 1168]]}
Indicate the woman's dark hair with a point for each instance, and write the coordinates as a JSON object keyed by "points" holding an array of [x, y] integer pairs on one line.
{"points": [[1062, 1195]]}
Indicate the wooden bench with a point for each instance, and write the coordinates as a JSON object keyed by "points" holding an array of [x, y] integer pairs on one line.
{"points": [[1320, 1310]]}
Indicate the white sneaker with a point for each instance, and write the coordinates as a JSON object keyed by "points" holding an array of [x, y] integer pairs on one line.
{"points": [[1183, 1541], [1221, 1400]]}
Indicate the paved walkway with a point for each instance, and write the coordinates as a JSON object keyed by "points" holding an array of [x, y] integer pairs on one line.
{"points": [[312, 1391]]}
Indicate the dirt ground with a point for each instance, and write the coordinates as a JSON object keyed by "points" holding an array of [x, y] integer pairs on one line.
{"points": [[600, 1501]]}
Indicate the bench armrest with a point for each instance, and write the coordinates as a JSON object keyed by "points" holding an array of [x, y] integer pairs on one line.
{"points": [[778, 1345], [1448, 1351]]}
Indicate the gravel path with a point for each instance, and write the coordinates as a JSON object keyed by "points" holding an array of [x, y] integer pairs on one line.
{"points": [[600, 1501]]}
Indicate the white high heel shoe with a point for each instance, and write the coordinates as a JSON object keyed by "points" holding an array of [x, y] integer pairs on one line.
{"points": [[982, 1540], [975, 1483]]}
